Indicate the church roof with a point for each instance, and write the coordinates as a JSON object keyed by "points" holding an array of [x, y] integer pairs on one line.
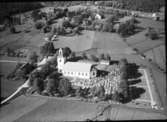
{"points": [[77, 67]]}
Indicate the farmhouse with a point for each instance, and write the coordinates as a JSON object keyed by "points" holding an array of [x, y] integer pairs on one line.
{"points": [[75, 69]]}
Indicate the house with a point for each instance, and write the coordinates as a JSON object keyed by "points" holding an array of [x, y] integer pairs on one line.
{"points": [[84, 70], [105, 62], [98, 17]]}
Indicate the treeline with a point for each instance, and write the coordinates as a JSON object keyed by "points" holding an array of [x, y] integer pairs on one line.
{"points": [[10, 8], [137, 5]]}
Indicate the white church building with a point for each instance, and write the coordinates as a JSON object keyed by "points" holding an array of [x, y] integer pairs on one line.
{"points": [[84, 70]]}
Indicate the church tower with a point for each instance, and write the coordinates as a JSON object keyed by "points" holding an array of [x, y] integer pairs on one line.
{"points": [[60, 60]]}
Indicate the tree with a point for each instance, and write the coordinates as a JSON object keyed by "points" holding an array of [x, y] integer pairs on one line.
{"points": [[47, 29], [116, 96], [38, 85], [108, 57], [101, 92], [39, 24], [111, 19], [53, 61], [123, 61], [126, 29], [24, 71], [79, 92], [123, 69], [102, 57], [36, 15], [46, 70], [67, 51], [32, 57], [77, 30], [84, 56], [66, 23], [107, 27], [52, 83], [123, 89], [64, 87], [13, 29], [47, 49], [73, 55], [94, 58]]}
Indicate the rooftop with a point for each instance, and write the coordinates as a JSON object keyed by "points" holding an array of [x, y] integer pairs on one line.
{"points": [[77, 66]]}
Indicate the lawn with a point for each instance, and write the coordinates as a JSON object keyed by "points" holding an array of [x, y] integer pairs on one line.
{"points": [[110, 42], [49, 109], [153, 49], [76, 43], [8, 86]]}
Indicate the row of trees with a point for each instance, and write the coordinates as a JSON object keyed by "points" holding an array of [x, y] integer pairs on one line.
{"points": [[123, 88], [96, 58], [10, 8], [127, 28], [142, 5]]}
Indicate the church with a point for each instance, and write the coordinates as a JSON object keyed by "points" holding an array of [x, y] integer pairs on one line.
{"points": [[84, 70]]}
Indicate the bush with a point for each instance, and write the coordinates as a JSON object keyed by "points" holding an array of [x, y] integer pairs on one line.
{"points": [[36, 15], [12, 74], [152, 34], [79, 92], [47, 29], [107, 27], [24, 71], [39, 24], [126, 29], [64, 87], [111, 19], [32, 57]]}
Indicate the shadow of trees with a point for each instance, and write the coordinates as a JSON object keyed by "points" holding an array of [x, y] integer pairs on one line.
{"points": [[133, 71], [75, 59], [134, 93], [102, 73], [114, 62], [136, 30]]}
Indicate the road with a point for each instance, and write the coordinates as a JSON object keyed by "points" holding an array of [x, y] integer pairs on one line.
{"points": [[10, 61]]}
